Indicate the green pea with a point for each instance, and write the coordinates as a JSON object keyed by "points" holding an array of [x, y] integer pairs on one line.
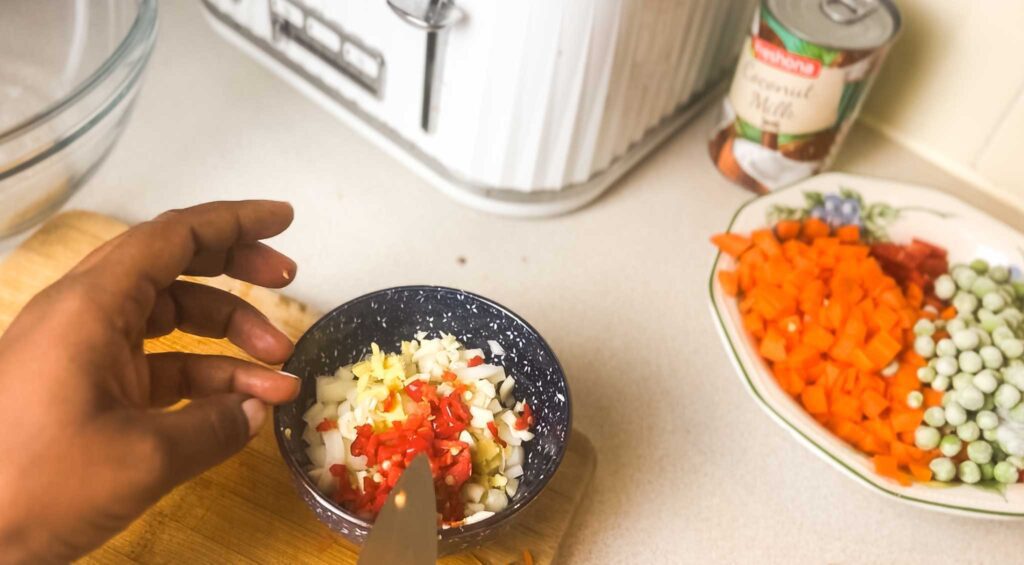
{"points": [[955, 414], [947, 365], [926, 437], [966, 339], [989, 404], [1014, 375], [940, 383], [986, 381], [950, 445], [983, 336], [943, 469], [991, 356], [1007, 396], [945, 287], [924, 326], [999, 273], [1016, 414], [970, 361], [987, 471], [915, 399], [964, 277], [961, 380], [1002, 333], [946, 347], [965, 304], [982, 286], [968, 431], [1005, 473], [925, 374], [991, 323], [993, 301], [979, 451], [1012, 348], [987, 420], [969, 472], [924, 346], [970, 397], [979, 266], [935, 417], [1016, 460], [1018, 287], [990, 435], [955, 325]]}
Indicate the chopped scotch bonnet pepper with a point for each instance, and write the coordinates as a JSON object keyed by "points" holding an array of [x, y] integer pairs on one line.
{"points": [[371, 419], [837, 331]]}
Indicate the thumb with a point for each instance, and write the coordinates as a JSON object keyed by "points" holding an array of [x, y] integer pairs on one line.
{"points": [[206, 432]]}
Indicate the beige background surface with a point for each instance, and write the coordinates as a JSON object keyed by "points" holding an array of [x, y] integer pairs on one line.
{"points": [[953, 90], [689, 470]]}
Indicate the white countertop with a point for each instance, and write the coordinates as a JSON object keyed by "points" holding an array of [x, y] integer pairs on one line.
{"points": [[689, 467]]}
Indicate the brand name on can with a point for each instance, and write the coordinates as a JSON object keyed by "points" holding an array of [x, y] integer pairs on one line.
{"points": [[784, 60]]}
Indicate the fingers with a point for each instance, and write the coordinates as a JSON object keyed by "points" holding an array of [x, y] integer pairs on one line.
{"points": [[210, 312], [150, 256], [174, 376], [256, 263], [203, 434]]}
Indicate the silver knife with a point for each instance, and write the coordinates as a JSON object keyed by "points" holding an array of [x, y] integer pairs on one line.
{"points": [[406, 527]]}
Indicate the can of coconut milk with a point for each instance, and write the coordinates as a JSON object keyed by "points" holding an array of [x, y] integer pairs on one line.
{"points": [[801, 79]]}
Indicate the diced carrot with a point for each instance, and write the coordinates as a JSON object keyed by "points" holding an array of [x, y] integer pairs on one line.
{"points": [[848, 234], [731, 244], [787, 229], [920, 471], [818, 337], [766, 242], [882, 349], [873, 403], [814, 228], [827, 316], [949, 313], [906, 420], [729, 281], [933, 397], [814, 400], [773, 346]]}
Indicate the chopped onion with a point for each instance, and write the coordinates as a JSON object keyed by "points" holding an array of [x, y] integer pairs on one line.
{"points": [[508, 435], [311, 436], [505, 391], [514, 472], [496, 348], [494, 406], [470, 374], [481, 417], [496, 500], [512, 487], [314, 414], [514, 456], [326, 481], [317, 455], [344, 373], [335, 447], [468, 354], [332, 389], [467, 438], [473, 492]]}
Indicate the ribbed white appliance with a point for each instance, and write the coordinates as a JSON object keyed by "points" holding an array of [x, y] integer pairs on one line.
{"points": [[524, 107]]}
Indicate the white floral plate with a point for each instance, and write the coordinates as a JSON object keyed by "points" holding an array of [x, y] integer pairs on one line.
{"points": [[900, 212]]}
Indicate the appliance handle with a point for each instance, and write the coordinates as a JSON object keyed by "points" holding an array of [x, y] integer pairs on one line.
{"points": [[428, 15]]}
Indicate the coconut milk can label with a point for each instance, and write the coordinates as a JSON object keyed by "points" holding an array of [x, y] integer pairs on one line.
{"points": [[781, 92]]}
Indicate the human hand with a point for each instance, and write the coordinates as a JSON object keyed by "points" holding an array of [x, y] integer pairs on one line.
{"points": [[85, 445]]}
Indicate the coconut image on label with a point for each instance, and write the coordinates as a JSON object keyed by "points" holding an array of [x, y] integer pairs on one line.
{"points": [[799, 83]]}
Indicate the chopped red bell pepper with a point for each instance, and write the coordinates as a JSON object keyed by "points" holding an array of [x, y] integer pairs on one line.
{"points": [[525, 420], [475, 361], [494, 432], [326, 425]]}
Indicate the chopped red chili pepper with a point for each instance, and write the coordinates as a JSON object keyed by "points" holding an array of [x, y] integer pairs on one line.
{"points": [[475, 361], [390, 402], [449, 376], [327, 425], [494, 432], [525, 420]]}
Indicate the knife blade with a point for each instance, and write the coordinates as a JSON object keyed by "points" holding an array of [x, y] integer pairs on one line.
{"points": [[406, 527]]}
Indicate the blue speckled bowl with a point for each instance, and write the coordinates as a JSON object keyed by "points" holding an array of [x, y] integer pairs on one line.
{"points": [[389, 316]]}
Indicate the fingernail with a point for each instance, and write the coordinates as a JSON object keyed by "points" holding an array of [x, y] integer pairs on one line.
{"points": [[255, 412], [296, 377], [286, 276]]}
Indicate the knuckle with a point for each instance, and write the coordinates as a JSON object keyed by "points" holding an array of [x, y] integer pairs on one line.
{"points": [[152, 454], [227, 427]]}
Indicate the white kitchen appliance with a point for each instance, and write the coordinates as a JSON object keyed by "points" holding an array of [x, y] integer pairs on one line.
{"points": [[523, 107]]}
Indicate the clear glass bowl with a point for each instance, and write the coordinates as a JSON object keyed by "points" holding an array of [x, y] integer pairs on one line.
{"points": [[69, 73]]}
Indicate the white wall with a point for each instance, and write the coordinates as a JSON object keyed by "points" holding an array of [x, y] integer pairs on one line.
{"points": [[953, 90]]}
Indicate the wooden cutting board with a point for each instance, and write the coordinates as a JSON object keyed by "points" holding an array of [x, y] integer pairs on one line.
{"points": [[246, 510]]}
